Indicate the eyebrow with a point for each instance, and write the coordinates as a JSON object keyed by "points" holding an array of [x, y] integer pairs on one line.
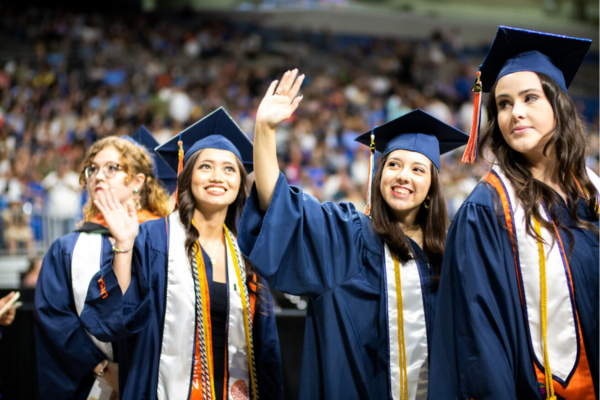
{"points": [[521, 93], [213, 162], [414, 162]]}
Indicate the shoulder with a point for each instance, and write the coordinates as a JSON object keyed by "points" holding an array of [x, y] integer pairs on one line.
{"points": [[65, 244]]}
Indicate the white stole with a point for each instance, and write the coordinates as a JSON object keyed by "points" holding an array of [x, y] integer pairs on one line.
{"points": [[85, 263], [415, 330], [562, 330], [178, 342]]}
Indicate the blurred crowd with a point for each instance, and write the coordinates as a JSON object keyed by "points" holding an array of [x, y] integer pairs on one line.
{"points": [[81, 77]]}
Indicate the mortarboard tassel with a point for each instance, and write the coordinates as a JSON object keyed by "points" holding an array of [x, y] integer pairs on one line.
{"points": [[179, 167], [470, 154], [371, 169]]}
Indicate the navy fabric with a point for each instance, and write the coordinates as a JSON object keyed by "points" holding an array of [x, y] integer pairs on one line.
{"points": [[162, 170], [516, 50], [136, 319], [216, 131], [330, 253], [480, 345], [66, 355], [416, 131]]}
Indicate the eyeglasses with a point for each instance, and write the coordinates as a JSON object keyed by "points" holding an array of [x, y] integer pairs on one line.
{"points": [[109, 170]]}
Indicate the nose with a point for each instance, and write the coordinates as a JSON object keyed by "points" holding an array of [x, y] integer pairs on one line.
{"points": [[402, 175], [216, 175], [518, 110]]}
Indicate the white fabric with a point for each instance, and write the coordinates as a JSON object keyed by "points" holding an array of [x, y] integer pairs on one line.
{"points": [[177, 350], [561, 334], [594, 178], [237, 346], [84, 265], [415, 331]]}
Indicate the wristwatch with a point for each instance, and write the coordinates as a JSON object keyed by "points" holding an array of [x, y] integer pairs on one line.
{"points": [[103, 370]]}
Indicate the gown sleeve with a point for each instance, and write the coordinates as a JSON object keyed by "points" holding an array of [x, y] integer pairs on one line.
{"points": [[66, 354], [475, 350], [110, 315], [299, 245], [268, 355]]}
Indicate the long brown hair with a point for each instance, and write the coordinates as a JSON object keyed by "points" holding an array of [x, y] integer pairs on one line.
{"points": [[433, 222], [567, 144], [187, 205], [134, 160]]}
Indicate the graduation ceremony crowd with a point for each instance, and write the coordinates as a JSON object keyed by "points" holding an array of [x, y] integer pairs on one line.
{"points": [[446, 241]]}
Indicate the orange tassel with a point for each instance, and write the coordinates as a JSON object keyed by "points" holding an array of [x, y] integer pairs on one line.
{"points": [[470, 154], [179, 167]]}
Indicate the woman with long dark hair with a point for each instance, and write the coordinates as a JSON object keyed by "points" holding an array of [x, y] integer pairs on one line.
{"points": [[192, 318], [518, 298], [371, 282], [71, 363]]}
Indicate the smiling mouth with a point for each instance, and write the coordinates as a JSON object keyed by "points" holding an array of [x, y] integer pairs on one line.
{"points": [[520, 129], [401, 191], [215, 190]]}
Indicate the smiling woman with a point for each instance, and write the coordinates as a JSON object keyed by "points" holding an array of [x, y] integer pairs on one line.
{"points": [[371, 282], [197, 320]]}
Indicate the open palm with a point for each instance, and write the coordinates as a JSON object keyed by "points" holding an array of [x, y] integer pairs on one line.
{"points": [[122, 223], [280, 101]]}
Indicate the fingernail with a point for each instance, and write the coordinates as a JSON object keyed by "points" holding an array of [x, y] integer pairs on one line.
{"points": [[301, 97]]}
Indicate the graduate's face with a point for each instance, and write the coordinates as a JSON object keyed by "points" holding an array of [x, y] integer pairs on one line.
{"points": [[215, 179], [108, 162], [405, 182], [525, 116]]}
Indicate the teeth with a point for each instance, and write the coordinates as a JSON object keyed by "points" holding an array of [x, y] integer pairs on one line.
{"points": [[216, 189], [401, 191]]}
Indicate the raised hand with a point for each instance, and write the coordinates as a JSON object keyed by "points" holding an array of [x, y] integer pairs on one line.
{"points": [[280, 101], [123, 224]]}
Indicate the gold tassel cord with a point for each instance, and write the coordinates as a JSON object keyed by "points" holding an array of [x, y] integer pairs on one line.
{"points": [[544, 313], [401, 345]]}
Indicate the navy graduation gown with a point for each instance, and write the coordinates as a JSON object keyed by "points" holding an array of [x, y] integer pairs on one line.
{"points": [[66, 354], [480, 347], [329, 253], [136, 319]]}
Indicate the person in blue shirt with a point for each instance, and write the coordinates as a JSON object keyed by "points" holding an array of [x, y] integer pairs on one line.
{"points": [[192, 319], [371, 282], [518, 299]]}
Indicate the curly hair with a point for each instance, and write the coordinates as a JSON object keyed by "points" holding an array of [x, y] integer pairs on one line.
{"points": [[134, 160], [566, 144]]}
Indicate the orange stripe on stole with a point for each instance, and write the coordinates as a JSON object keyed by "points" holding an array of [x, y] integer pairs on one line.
{"points": [[493, 180], [581, 384]]}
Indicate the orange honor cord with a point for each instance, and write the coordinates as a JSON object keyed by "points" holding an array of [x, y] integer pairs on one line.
{"points": [[203, 374], [245, 312], [470, 154], [371, 169]]}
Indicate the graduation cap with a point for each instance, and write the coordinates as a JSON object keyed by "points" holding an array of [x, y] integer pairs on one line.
{"points": [[517, 50], [415, 131], [162, 170], [215, 131]]}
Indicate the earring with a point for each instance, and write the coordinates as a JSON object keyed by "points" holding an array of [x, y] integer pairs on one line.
{"points": [[425, 203], [136, 196]]}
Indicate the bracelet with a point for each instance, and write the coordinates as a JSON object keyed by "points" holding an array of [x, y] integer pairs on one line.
{"points": [[104, 368], [120, 251]]}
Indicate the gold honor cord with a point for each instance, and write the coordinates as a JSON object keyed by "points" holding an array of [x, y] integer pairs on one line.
{"points": [[246, 312], [403, 372], [544, 311]]}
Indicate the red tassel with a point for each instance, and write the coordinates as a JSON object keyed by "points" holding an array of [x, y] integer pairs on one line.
{"points": [[470, 154]]}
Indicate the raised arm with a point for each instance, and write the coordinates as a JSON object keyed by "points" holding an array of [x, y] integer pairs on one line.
{"points": [[124, 227], [278, 105]]}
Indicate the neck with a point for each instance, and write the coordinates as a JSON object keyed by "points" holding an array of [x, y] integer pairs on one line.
{"points": [[407, 220], [544, 169], [210, 223]]}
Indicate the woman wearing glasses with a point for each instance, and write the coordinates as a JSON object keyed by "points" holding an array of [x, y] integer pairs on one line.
{"points": [[71, 363]]}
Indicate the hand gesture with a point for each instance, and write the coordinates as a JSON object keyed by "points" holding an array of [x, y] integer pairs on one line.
{"points": [[9, 316], [123, 224], [280, 101]]}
